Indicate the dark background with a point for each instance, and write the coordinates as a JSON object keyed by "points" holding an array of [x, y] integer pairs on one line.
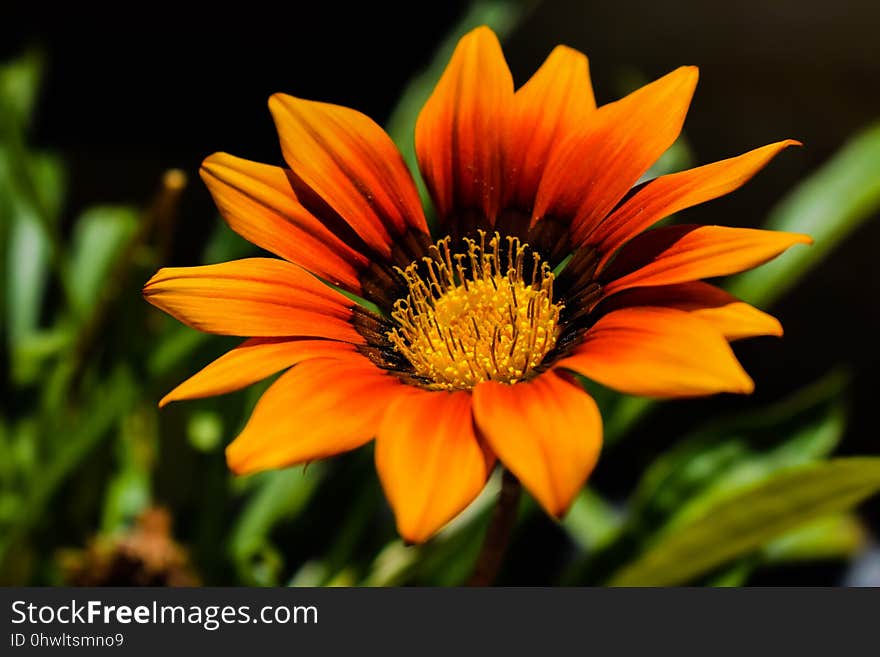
{"points": [[154, 86]]}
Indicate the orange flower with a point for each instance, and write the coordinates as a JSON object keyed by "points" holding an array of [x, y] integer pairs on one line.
{"points": [[539, 268]]}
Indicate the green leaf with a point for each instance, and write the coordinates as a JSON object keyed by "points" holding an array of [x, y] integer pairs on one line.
{"points": [[127, 495], [838, 536], [48, 182], [31, 193], [734, 576], [740, 450], [591, 521], [742, 523], [23, 449], [99, 235], [721, 457], [35, 348], [28, 209], [19, 86], [281, 495], [829, 205], [103, 408], [728, 456], [27, 272], [129, 491]]}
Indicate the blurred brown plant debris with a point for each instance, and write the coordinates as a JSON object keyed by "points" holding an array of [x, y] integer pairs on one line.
{"points": [[145, 555]]}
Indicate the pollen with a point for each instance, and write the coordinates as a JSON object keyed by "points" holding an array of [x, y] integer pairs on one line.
{"points": [[483, 314]]}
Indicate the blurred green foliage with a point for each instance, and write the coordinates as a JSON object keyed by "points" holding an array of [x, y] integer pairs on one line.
{"points": [[742, 522], [84, 450]]}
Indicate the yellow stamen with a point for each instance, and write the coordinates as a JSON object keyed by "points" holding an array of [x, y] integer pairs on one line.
{"points": [[472, 317]]}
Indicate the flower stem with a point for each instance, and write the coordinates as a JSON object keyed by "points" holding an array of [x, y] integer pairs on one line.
{"points": [[498, 534]]}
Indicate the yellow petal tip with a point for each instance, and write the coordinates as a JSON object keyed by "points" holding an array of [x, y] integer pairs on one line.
{"points": [[147, 290], [277, 101], [235, 461], [411, 539], [776, 329], [746, 385], [690, 71], [212, 161], [482, 29]]}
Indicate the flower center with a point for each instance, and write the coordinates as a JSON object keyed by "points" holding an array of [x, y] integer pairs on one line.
{"points": [[486, 314]]}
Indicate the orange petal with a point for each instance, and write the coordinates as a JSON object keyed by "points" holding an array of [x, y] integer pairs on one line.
{"points": [[317, 409], [352, 164], [253, 361], [589, 173], [667, 195], [258, 203], [658, 352], [460, 130], [555, 103], [733, 318], [429, 460], [678, 254], [260, 297], [547, 431]]}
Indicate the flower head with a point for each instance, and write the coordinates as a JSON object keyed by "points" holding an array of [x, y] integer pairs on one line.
{"points": [[543, 264]]}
